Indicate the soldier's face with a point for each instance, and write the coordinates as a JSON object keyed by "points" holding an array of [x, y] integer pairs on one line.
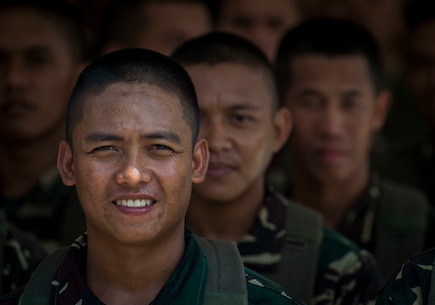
{"points": [[335, 111], [240, 126], [421, 68], [37, 73], [261, 21], [132, 163]]}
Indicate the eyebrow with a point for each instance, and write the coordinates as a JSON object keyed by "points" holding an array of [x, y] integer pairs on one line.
{"points": [[352, 93], [244, 107], [102, 137], [305, 92], [349, 92], [163, 135], [105, 137]]}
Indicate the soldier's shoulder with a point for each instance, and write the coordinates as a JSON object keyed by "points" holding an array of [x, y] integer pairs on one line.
{"points": [[343, 255], [402, 192], [337, 244], [410, 282], [262, 290]]}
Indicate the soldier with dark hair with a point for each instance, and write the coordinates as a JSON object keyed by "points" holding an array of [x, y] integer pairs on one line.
{"points": [[413, 282], [133, 154], [330, 77], [244, 125], [42, 51]]}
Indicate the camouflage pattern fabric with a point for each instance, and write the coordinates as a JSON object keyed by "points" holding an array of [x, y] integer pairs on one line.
{"points": [[51, 212], [20, 256], [345, 273], [410, 283], [69, 285]]}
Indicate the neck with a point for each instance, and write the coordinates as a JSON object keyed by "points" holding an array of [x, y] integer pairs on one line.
{"points": [[225, 219], [23, 164], [130, 274], [332, 199]]}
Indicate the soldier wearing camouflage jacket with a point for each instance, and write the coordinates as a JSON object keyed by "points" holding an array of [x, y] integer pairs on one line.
{"points": [[341, 262], [411, 282]]}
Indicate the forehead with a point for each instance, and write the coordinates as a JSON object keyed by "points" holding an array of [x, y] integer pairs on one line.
{"points": [[259, 8], [324, 70], [229, 83], [157, 9], [24, 27], [423, 37], [179, 17], [133, 107]]}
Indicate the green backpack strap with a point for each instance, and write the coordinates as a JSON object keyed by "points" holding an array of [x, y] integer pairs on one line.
{"points": [[37, 291], [297, 269], [226, 282], [400, 226]]}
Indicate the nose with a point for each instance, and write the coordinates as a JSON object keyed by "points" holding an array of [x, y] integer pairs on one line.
{"points": [[133, 173], [331, 123], [14, 75], [217, 135]]}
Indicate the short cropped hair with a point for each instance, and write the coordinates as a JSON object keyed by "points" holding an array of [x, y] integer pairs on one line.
{"points": [[220, 47], [327, 37], [134, 66], [66, 20]]}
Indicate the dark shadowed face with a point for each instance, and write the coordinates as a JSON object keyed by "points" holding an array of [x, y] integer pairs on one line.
{"points": [[171, 24], [261, 21], [240, 126], [37, 73], [132, 163], [335, 111], [421, 69]]}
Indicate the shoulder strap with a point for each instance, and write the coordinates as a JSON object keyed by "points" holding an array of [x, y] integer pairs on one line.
{"points": [[37, 291], [401, 225], [226, 282], [431, 299], [300, 251]]}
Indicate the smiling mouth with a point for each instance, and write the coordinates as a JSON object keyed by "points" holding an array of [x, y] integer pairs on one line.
{"points": [[134, 203]]}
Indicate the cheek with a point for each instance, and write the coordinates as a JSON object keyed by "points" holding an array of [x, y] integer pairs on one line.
{"points": [[360, 134], [175, 185], [91, 179], [303, 130]]}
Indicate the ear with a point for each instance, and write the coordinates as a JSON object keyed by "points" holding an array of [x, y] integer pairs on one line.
{"points": [[382, 105], [200, 159], [283, 124], [65, 163]]}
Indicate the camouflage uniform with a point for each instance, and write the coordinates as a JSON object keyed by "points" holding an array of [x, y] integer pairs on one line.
{"points": [[401, 212], [364, 220], [345, 274], [410, 283], [183, 287], [19, 256], [51, 212]]}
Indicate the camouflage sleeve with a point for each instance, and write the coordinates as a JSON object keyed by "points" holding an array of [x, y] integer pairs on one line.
{"points": [[21, 256], [410, 283], [261, 291], [347, 274]]}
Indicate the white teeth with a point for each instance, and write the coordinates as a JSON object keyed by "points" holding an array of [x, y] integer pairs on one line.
{"points": [[134, 203]]}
